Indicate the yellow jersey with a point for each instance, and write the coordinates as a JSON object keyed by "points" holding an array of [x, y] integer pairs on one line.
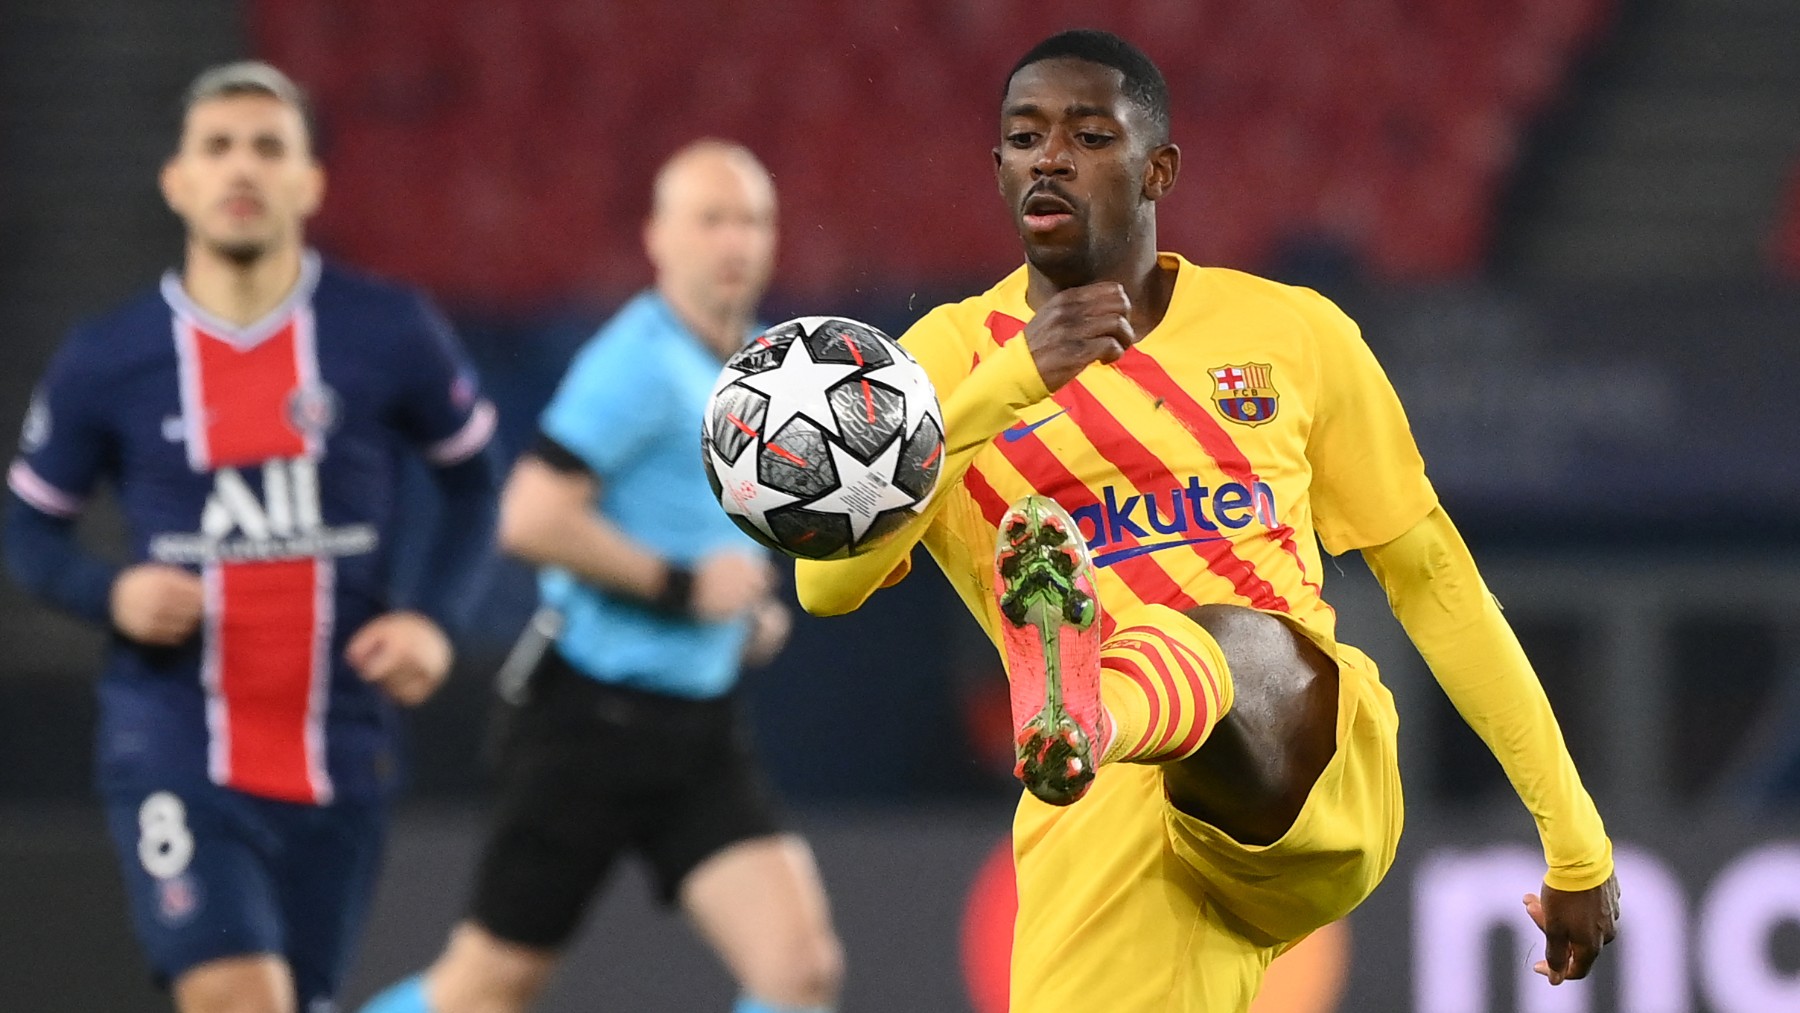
{"points": [[1198, 466]]}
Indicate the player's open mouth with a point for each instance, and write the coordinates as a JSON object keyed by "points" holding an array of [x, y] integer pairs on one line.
{"points": [[1045, 212]]}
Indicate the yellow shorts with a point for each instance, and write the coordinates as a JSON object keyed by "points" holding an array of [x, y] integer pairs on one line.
{"points": [[1127, 905]]}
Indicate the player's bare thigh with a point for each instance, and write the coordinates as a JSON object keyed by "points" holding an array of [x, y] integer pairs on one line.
{"points": [[1252, 776]]}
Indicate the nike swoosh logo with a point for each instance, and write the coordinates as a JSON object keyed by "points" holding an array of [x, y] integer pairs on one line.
{"points": [[1019, 432]]}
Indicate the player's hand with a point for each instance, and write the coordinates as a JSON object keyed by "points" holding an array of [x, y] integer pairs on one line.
{"points": [[728, 583], [1576, 925], [1079, 326], [157, 604], [770, 624], [404, 654]]}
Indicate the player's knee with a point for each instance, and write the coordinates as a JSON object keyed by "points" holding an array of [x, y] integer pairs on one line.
{"points": [[1240, 630], [805, 971], [1270, 660], [223, 1002], [249, 984]]}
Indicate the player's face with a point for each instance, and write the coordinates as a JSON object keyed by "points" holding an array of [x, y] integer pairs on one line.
{"points": [[712, 237], [243, 179], [1077, 168]]}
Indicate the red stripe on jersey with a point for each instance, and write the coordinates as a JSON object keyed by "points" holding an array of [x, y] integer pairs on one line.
{"points": [[1149, 374], [244, 396], [988, 501], [268, 667], [1048, 476], [1003, 327], [1140, 466]]}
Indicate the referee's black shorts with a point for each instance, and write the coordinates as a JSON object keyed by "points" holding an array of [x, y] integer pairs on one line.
{"points": [[589, 771]]}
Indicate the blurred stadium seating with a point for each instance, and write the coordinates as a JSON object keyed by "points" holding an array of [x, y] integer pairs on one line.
{"points": [[499, 150]]}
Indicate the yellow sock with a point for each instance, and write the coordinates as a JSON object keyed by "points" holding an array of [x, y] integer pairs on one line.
{"points": [[1165, 685]]}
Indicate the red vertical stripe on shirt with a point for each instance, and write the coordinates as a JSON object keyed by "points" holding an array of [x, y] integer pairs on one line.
{"points": [[245, 395], [268, 652]]}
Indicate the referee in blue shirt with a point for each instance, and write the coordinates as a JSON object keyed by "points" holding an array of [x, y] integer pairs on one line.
{"points": [[628, 738]]}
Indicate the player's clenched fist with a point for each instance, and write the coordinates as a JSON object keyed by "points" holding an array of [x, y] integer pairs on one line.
{"points": [[1078, 326], [157, 604], [402, 653]]}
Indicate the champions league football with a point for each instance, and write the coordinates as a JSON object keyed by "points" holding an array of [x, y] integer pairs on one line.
{"points": [[822, 435]]}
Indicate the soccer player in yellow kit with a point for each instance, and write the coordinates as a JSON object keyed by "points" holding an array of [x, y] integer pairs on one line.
{"points": [[1140, 453]]}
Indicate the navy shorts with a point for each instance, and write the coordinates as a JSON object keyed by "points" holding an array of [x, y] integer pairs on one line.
{"points": [[212, 872]]}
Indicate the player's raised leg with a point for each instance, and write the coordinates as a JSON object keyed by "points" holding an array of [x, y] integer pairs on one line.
{"points": [[1255, 771]]}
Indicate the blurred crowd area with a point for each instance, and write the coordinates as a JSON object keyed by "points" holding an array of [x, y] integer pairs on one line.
{"points": [[1570, 228], [1385, 129]]}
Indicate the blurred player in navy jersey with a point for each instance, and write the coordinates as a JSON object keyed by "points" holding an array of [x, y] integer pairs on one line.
{"points": [[629, 738], [252, 413]]}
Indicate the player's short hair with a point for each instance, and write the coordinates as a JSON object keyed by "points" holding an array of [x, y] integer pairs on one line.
{"points": [[1143, 86], [247, 77]]}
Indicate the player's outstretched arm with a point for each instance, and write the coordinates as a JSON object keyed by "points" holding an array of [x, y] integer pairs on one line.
{"points": [[1439, 597], [547, 518]]}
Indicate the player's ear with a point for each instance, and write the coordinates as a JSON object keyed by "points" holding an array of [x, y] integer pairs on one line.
{"points": [[651, 240], [999, 181], [169, 182], [314, 194], [1160, 170]]}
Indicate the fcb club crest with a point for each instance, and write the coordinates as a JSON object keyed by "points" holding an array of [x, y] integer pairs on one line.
{"points": [[1246, 394]]}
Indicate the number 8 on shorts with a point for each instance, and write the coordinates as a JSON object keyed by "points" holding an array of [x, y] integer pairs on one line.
{"points": [[165, 846]]}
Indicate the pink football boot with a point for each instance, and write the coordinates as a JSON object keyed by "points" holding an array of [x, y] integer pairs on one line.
{"points": [[1050, 629]]}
